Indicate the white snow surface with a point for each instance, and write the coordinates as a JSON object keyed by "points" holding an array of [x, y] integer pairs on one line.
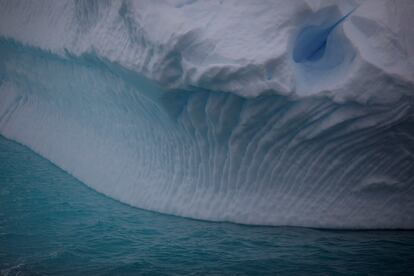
{"points": [[238, 46]]}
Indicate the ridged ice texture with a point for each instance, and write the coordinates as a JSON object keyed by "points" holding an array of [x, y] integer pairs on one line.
{"points": [[211, 155], [242, 47]]}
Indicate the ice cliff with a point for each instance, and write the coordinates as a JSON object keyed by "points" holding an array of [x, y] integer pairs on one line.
{"points": [[262, 112]]}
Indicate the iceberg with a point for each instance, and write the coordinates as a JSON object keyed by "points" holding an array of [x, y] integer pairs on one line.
{"points": [[254, 112]]}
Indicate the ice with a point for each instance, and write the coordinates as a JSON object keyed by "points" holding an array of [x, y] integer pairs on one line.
{"points": [[239, 47], [311, 43], [255, 112]]}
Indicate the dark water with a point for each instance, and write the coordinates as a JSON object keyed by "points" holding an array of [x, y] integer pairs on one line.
{"points": [[51, 223]]}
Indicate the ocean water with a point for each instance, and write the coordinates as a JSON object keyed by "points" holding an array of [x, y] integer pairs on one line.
{"points": [[51, 224]]}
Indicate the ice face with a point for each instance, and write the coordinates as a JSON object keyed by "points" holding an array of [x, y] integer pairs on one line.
{"points": [[203, 109], [244, 48]]}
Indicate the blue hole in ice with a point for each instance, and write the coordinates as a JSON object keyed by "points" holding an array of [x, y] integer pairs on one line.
{"points": [[322, 53], [311, 43]]}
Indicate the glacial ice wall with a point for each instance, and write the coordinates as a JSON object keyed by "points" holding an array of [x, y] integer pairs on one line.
{"points": [[243, 47], [254, 112]]}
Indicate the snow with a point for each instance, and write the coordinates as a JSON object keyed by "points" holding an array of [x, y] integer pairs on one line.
{"points": [[241, 47], [254, 112]]}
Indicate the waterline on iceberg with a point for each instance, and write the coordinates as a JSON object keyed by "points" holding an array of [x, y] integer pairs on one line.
{"points": [[269, 160]]}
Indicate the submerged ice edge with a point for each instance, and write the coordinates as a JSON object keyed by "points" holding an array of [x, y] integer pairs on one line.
{"points": [[244, 48], [268, 160]]}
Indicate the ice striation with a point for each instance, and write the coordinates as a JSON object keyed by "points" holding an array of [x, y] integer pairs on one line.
{"points": [[243, 47], [254, 112]]}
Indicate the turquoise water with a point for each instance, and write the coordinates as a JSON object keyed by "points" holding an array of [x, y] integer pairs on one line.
{"points": [[50, 223]]}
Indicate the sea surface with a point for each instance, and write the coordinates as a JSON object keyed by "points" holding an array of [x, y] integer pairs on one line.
{"points": [[52, 224]]}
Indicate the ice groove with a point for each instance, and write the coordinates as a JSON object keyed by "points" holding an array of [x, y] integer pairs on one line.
{"points": [[212, 155]]}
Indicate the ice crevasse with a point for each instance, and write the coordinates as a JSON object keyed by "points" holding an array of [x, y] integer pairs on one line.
{"points": [[257, 112]]}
